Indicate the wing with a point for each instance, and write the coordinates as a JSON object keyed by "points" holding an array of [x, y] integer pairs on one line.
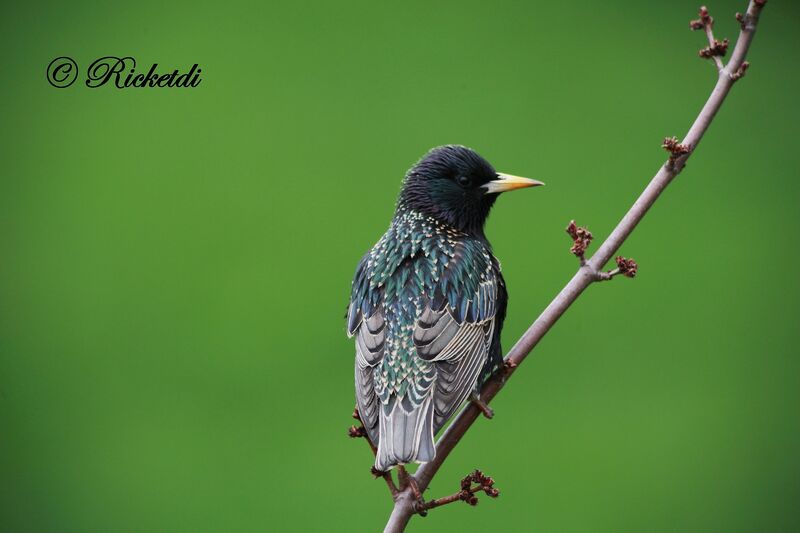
{"points": [[370, 342], [462, 341], [370, 334]]}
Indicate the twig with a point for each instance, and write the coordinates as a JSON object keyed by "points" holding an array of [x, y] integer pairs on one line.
{"points": [[715, 48], [626, 267], [582, 237], [466, 494], [404, 506]]}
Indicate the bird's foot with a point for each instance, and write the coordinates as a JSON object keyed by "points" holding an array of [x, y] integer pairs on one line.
{"points": [[487, 411], [387, 476], [508, 367], [412, 483], [418, 501], [408, 481]]}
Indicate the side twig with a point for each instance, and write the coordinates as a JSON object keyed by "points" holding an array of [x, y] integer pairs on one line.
{"points": [[466, 494], [406, 503], [715, 49]]}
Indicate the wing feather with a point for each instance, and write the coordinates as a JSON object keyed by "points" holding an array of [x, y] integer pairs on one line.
{"points": [[458, 350], [370, 344]]}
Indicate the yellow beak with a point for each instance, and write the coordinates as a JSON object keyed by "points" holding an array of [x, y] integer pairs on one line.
{"points": [[507, 182]]}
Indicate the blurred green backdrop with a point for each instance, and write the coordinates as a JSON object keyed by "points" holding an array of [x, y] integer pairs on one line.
{"points": [[176, 263]]}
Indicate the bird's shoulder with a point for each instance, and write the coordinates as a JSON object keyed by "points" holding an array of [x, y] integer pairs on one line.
{"points": [[419, 256], [419, 245]]}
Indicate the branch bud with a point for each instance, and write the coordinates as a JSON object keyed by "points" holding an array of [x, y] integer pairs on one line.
{"points": [[581, 238], [355, 432], [719, 48], [675, 148], [740, 72], [627, 267], [704, 20]]}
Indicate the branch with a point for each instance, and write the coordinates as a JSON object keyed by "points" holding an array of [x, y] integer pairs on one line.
{"points": [[589, 272]]}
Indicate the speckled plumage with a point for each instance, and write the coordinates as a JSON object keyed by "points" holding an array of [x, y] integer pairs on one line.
{"points": [[426, 308]]}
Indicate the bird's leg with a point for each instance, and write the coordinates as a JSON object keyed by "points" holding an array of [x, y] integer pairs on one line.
{"points": [[412, 484], [408, 481], [360, 431], [387, 477], [480, 404], [403, 476]]}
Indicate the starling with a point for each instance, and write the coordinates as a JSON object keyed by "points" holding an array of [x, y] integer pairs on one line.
{"points": [[427, 305]]}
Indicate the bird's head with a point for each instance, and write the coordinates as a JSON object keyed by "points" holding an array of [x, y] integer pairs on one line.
{"points": [[457, 186]]}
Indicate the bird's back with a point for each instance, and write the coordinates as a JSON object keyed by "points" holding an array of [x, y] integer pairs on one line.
{"points": [[426, 309]]}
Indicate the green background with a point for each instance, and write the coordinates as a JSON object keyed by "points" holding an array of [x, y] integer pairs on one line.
{"points": [[175, 264]]}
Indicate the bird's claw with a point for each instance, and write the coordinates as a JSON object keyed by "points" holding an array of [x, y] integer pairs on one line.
{"points": [[487, 411], [412, 483]]}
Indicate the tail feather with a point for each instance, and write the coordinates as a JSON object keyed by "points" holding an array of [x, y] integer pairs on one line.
{"points": [[406, 437]]}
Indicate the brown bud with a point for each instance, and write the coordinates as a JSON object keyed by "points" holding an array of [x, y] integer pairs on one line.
{"points": [[581, 238], [627, 267], [675, 148], [719, 48], [740, 72], [696, 24], [355, 432]]}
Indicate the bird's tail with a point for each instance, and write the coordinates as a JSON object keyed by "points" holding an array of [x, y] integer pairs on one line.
{"points": [[406, 434]]}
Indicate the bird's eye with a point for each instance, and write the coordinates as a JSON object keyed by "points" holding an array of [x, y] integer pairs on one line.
{"points": [[464, 181]]}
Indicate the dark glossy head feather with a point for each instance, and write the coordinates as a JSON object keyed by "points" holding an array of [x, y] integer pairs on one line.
{"points": [[447, 184]]}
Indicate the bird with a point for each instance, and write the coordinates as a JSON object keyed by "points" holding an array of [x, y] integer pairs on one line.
{"points": [[427, 305]]}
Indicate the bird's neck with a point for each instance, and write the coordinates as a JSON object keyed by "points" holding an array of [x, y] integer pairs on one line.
{"points": [[404, 214]]}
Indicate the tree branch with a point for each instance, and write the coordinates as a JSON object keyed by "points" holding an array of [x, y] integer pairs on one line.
{"points": [[590, 270]]}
